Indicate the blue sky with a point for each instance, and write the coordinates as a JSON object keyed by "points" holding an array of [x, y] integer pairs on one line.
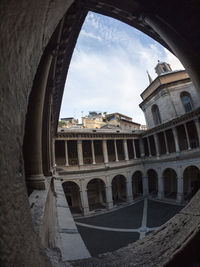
{"points": [[108, 69]]}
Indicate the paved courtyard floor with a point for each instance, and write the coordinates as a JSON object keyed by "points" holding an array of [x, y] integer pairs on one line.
{"points": [[111, 231]]}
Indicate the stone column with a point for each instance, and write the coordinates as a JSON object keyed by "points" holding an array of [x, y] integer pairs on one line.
{"points": [[125, 149], [174, 130], [66, 154], [84, 199], [149, 147], [93, 152], [187, 137], [180, 195], [80, 152], [109, 200], [134, 149], [116, 154], [145, 186], [198, 129], [108, 189], [33, 135], [166, 143], [129, 191], [160, 186], [105, 151], [157, 145], [141, 148]]}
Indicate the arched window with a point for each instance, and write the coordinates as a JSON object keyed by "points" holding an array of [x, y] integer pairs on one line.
{"points": [[187, 102], [156, 114]]}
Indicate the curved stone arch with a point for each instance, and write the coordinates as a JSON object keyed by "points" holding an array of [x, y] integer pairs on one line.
{"points": [[45, 34], [87, 180], [120, 174], [149, 169], [96, 193], [152, 177], [171, 167], [138, 170], [71, 180], [191, 181], [119, 189], [185, 166], [72, 194], [170, 181]]}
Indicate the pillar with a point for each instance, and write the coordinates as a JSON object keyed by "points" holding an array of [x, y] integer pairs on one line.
{"points": [[166, 143], [129, 191], [93, 152], [66, 155], [149, 147], [187, 136], [109, 200], [157, 145], [80, 152], [33, 133], [145, 186], [116, 154], [174, 130], [141, 148], [105, 151], [84, 199], [180, 193], [134, 149], [198, 129], [125, 149], [160, 187]]}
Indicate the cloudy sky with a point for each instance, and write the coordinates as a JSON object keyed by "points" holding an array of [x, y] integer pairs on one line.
{"points": [[108, 69]]}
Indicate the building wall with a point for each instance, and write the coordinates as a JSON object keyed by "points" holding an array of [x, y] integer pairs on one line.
{"points": [[169, 103]]}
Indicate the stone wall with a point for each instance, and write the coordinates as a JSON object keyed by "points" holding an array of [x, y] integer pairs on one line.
{"points": [[26, 27]]}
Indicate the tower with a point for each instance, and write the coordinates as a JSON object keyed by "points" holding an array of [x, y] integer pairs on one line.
{"points": [[162, 67]]}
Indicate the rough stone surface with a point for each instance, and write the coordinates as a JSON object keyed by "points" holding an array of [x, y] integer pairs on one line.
{"points": [[25, 28]]}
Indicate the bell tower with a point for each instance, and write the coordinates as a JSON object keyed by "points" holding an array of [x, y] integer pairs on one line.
{"points": [[162, 67]]}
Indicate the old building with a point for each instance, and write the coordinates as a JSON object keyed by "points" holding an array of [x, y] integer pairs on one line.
{"points": [[169, 96], [37, 41]]}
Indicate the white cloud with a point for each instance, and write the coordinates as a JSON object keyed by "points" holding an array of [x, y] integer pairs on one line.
{"points": [[111, 79]]}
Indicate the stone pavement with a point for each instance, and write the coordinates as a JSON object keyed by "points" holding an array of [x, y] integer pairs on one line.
{"points": [[111, 231]]}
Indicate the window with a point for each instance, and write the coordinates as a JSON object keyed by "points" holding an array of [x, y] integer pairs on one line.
{"points": [[187, 102], [156, 115]]}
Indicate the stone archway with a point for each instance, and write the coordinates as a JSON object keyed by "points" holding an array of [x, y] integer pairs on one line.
{"points": [[119, 189], [170, 183], [26, 45], [96, 194], [191, 181], [72, 194], [152, 182], [137, 185]]}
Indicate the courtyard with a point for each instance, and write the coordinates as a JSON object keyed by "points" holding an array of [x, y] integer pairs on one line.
{"points": [[116, 229]]}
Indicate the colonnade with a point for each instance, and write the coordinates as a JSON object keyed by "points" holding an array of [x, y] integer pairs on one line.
{"points": [[185, 136], [169, 184]]}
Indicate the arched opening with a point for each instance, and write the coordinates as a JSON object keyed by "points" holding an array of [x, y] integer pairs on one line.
{"points": [[152, 182], [186, 101], [119, 189], [170, 183], [72, 194], [137, 185], [156, 115], [96, 194], [31, 49], [191, 181]]}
